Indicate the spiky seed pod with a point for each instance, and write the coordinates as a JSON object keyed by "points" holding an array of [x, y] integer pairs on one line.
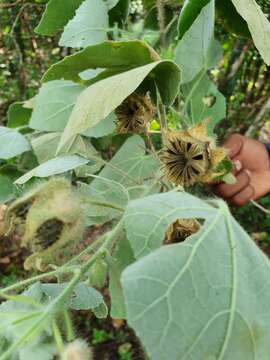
{"points": [[134, 114], [181, 229], [191, 156], [77, 350]]}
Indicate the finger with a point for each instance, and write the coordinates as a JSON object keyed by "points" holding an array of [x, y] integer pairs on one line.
{"points": [[237, 166], [227, 191], [243, 196], [234, 145]]}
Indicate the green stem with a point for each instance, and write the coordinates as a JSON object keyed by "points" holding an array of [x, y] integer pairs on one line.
{"points": [[63, 269], [58, 337], [69, 327]]}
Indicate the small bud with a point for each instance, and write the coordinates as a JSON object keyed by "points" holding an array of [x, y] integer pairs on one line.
{"points": [[77, 350], [98, 274]]}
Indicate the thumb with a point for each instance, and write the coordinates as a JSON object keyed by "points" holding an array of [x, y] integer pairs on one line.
{"points": [[234, 145]]}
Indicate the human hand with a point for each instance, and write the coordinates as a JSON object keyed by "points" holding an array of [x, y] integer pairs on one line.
{"points": [[252, 171]]}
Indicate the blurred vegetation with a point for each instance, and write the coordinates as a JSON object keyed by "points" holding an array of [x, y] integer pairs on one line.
{"points": [[242, 77]]}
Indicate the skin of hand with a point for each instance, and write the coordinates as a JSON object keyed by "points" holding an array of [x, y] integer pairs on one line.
{"points": [[252, 171]]}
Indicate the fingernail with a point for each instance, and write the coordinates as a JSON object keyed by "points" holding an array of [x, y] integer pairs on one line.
{"points": [[248, 173], [237, 165]]}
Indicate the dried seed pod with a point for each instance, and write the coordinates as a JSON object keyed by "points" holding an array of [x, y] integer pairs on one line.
{"points": [[191, 156], [181, 229], [134, 114], [48, 233], [54, 224]]}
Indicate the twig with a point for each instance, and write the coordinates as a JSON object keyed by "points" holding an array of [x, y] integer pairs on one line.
{"points": [[10, 5], [161, 21], [263, 209], [264, 111]]}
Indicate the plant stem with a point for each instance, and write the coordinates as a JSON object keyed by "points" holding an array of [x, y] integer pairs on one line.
{"points": [[161, 22], [162, 119], [57, 337], [69, 327], [63, 269]]}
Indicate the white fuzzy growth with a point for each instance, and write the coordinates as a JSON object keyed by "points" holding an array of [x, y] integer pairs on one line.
{"points": [[77, 350]]}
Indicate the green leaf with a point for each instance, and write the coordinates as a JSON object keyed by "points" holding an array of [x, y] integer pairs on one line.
{"points": [[83, 297], [86, 298], [203, 100], [111, 3], [89, 25], [143, 224], [93, 105], [190, 11], [103, 128], [205, 298], [19, 315], [54, 104], [119, 13], [193, 51], [129, 167], [18, 115], [121, 179], [12, 143], [45, 147], [56, 16], [6, 189], [122, 257], [54, 166], [258, 25], [114, 55], [233, 21]]}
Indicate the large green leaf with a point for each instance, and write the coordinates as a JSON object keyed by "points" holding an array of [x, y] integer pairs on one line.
{"points": [[83, 297], [119, 13], [203, 100], [54, 104], [205, 298], [146, 219], [18, 115], [12, 143], [101, 98], [54, 166], [121, 179], [190, 11], [258, 25], [18, 316], [45, 147], [103, 128], [231, 18], [56, 15], [89, 26], [194, 51], [130, 166], [113, 55]]}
